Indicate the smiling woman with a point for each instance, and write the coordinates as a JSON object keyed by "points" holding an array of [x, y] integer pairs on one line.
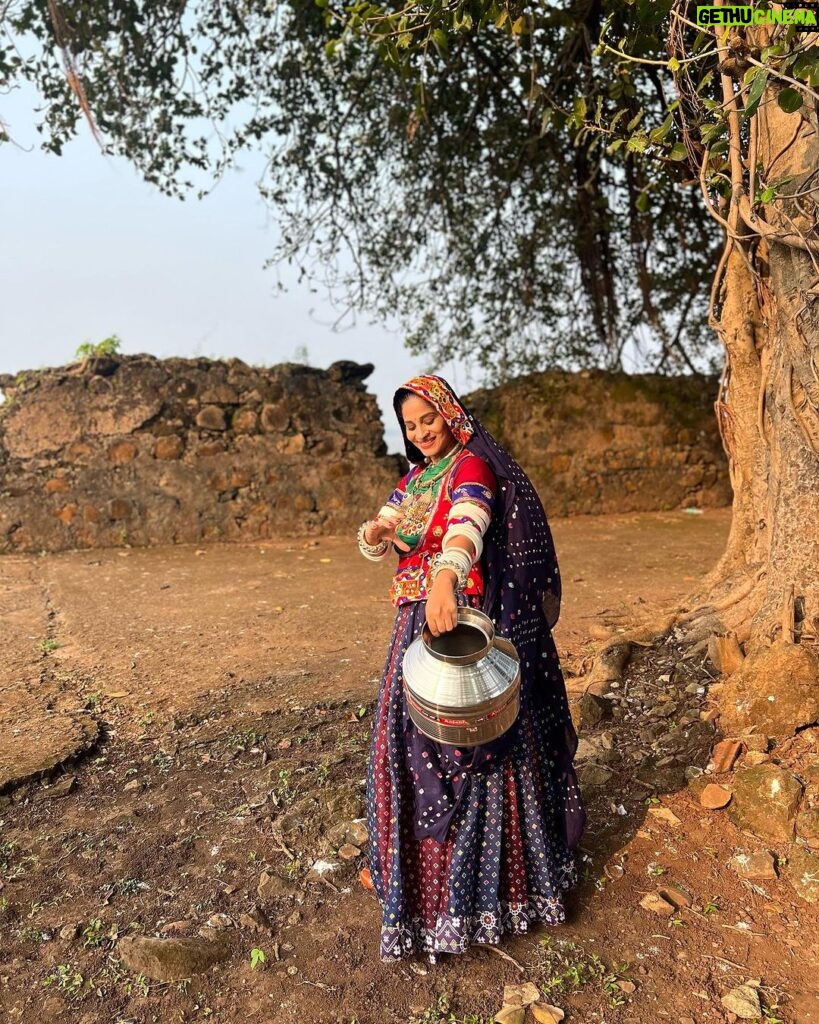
{"points": [[468, 844]]}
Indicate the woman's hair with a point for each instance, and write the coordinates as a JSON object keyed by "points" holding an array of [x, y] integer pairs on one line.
{"points": [[402, 394]]}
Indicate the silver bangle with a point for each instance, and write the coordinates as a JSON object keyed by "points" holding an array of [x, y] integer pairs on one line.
{"points": [[442, 560], [370, 550]]}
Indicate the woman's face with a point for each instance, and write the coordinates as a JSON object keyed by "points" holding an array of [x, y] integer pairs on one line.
{"points": [[426, 428]]}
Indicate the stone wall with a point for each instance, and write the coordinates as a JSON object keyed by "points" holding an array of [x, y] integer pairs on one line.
{"points": [[139, 451], [136, 450], [597, 442]]}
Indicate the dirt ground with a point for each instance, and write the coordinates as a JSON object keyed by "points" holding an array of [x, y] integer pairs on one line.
{"points": [[218, 701]]}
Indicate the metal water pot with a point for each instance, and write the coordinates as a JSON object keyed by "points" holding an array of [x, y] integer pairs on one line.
{"points": [[463, 687]]}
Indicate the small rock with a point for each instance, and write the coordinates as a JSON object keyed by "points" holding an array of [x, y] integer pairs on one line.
{"points": [[68, 932], [357, 833], [294, 918], [757, 744], [178, 927], [256, 921], [132, 786], [221, 921], [57, 791], [593, 775], [807, 823], [271, 886], [744, 1002], [169, 959], [585, 750], [544, 1013], [754, 758], [715, 797], [292, 970], [759, 864], [349, 852], [520, 995], [803, 873], [626, 986], [724, 755], [510, 1015], [679, 898], [664, 814], [765, 801], [322, 869], [657, 904], [592, 710], [607, 741]]}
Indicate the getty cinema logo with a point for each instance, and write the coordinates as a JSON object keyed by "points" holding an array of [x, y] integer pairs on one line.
{"points": [[802, 18]]}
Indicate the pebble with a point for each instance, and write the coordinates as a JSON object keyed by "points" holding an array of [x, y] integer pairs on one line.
{"points": [[257, 921], [657, 904], [349, 852], [759, 864], [676, 896], [520, 995], [220, 921], [69, 932], [357, 833], [322, 869], [544, 1013], [510, 1015], [178, 927], [664, 814], [744, 1002], [715, 797], [724, 755]]}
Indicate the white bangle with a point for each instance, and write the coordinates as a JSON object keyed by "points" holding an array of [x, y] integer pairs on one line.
{"points": [[375, 552], [455, 559]]}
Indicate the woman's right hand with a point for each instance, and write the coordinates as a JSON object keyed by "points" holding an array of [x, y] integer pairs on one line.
{"points": [[380, 529]]}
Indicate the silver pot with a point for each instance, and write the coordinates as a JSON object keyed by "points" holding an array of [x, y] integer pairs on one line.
{"points": [[463, 687]]}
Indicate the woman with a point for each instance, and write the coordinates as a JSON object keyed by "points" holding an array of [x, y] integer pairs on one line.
{"points": [[466, 845]]}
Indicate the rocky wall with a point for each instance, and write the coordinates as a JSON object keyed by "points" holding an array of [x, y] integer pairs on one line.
{"points": [[136, 450], [597, 442]]}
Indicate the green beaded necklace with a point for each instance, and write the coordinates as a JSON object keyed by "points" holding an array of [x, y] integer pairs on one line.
{"points": [[420, 494]]}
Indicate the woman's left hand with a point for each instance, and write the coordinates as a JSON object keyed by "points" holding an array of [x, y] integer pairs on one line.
{"points": [[442, 606]]}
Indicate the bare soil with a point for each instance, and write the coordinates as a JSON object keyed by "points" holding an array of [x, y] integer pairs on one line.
{"points": [[181, 724]]}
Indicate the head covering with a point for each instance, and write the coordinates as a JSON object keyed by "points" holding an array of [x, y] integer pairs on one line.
{"points": [[519, 553]]}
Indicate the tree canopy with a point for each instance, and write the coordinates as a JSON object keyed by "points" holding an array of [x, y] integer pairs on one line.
{"points": [[485, 174]]}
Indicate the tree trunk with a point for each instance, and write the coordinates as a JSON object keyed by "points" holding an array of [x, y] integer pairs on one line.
{"points": [[766, 586]]}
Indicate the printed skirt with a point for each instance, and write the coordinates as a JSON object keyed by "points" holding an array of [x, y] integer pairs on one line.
{"points": [[503, 864]]}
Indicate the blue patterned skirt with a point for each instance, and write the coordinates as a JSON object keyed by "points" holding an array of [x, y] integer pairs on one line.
{"points": [[503, 862]]}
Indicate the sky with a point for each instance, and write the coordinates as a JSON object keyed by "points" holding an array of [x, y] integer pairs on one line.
{"points": [[88, 250]]}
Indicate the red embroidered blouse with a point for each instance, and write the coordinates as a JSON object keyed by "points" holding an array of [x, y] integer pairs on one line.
{"points": [[464, 495]]}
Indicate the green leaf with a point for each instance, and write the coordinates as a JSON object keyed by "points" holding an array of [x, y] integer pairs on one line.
{"points": [[659, 133], [440, 40], [673, 65], [614, 146], [330, 48], [789, 100], [545, 121], [678, 152], [755, 93], [579, 109], [635, 120], [637, 143], [642, 202]]}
